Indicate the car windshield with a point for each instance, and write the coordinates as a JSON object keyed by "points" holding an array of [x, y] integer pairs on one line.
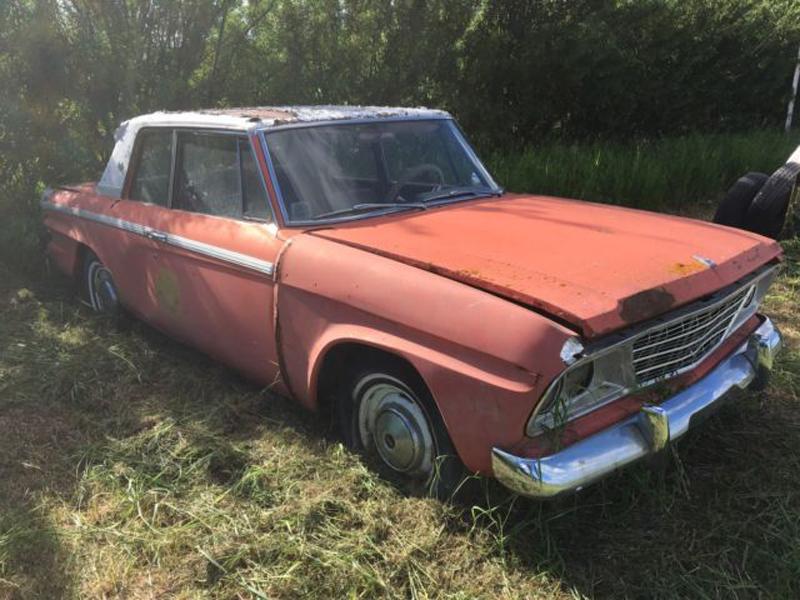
{"points": [[353, 169]]}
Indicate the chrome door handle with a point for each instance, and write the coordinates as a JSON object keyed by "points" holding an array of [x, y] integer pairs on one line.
{"points": [[157, 236]]}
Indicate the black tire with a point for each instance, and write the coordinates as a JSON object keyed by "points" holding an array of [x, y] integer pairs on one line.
{"points": [[98, 288], [732, 210], [767, 211], [791, 224], [443, 480]]}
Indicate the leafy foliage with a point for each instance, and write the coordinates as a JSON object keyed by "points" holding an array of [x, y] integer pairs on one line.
{"points": [[650, 67], [515, 72]]}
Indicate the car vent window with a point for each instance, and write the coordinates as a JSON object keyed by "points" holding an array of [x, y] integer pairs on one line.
{"points": [[207, 178], [151, 177], [254, 196]]}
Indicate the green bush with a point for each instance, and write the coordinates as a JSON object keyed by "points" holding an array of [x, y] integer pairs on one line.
{"points": [[515, 73]]}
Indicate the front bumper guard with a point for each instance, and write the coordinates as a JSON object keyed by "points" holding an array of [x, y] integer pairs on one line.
{"points": [[646, 433]]}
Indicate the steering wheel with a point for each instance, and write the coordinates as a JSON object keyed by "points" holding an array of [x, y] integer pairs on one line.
{"points": [[410, 174]]}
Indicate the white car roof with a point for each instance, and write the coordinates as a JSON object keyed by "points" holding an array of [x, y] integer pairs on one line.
{"points": [[239, 119]]}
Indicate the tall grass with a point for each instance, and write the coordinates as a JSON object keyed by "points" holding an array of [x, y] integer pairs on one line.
{"points": [[132, 467], [674, 172]]}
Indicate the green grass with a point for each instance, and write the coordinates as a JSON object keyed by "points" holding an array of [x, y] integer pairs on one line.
{"points": [[675, 172], [133, 467]]}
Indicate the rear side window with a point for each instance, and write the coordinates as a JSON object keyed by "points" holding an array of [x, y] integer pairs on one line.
{"points": [[207, 175], [153, 163], [217, 175]]}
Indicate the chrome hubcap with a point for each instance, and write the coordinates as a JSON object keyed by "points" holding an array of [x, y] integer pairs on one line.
{"points": [[102, 292], [393, 423], [397, 440]]}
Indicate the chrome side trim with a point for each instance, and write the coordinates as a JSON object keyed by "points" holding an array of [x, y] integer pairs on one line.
{"points": [[229, 256], [96, 217], [221, 254], [641, 435]]}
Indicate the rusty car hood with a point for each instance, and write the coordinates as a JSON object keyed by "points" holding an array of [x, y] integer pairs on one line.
{"points": [[595, 267]]}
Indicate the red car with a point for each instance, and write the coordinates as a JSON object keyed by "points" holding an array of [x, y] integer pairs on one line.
{"points": [[365, 262]]}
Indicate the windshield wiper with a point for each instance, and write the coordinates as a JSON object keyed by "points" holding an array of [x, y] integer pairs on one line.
{"points": [[370, 206], [458, 193]]}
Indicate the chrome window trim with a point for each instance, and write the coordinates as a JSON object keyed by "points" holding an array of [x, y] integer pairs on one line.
{"points": [[462, 139], [239, 173], [626, 338], [262, 178], [273, 177], [264, 131], [172, 168], [134, 164], [222, 254], [243, 134]]}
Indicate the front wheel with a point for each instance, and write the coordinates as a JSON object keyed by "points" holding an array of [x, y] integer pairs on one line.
{"points": [[387, 414]]}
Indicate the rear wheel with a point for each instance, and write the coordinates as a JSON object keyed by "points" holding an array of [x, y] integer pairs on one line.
{"points": [[98, 286], [386, 413]]}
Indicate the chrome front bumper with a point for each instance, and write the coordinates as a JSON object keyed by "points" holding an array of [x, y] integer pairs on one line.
{"points": [[643, 434]]}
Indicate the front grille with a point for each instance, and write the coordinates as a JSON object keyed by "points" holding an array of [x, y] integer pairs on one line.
{"points": [[667, 350]]}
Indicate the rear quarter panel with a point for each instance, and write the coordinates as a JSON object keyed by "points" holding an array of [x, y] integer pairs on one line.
{"points": [[67, 233], [123, 253]]}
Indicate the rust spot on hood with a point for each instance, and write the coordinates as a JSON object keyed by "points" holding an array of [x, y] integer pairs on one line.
{"points": [[680, 268], [646, 304]]}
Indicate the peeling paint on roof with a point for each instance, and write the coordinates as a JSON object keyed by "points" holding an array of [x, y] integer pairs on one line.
{"points": [[238, 119], [270, 116], [333, 113]]}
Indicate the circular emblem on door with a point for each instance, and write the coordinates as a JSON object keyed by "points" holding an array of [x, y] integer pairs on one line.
{"points": [[168, 291]]}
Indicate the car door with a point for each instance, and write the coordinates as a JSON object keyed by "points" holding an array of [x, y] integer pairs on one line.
{"points": [[124, 241], [211, 276]]}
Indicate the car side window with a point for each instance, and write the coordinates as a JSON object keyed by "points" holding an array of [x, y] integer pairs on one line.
{"points": [[207, 178], [216, 174], [154, 160], [254, 198]]}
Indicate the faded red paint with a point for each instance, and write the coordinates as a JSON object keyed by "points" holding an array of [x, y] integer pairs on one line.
{"points": [[485, 360], [594, 266], [222, 309], [432, 287]]}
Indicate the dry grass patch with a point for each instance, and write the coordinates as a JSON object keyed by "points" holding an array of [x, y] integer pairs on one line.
{"points": [[133, 467]]}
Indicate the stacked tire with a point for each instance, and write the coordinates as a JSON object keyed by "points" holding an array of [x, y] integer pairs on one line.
{"points": [[765, 204]]}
